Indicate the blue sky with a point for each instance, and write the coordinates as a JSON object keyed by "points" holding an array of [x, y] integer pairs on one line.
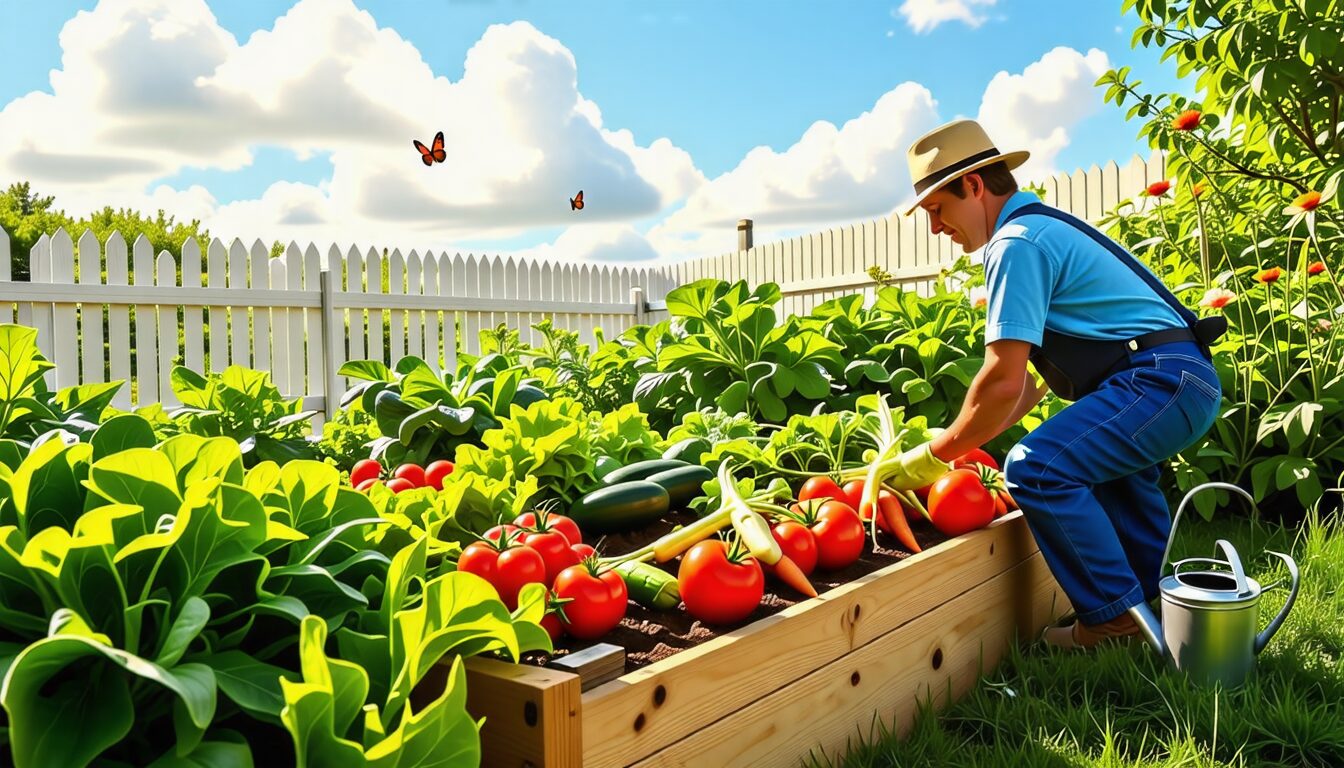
{"points": [[715, 80]]}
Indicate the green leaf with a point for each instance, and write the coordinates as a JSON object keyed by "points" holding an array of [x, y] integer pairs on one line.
{"points": [[734, 398], [315, 708], [21, 364], [121, 433], [1300, 423], [367, 370], [190, 621], [209, 754], [252, 685], [442, 735]]}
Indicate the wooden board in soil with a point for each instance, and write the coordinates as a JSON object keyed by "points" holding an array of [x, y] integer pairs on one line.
{"points": [[937, 657], [648, 709]]}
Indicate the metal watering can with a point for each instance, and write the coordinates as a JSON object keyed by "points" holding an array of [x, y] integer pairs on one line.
{"points": [[1210, 617]]}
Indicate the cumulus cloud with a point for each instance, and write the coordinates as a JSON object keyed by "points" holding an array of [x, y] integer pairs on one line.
{"points": [[608, 243], [147, 88], [1037, 109], [926, 15]]}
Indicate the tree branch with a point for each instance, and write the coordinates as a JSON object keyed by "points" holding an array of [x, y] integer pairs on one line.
{"points": [[1297, 131]]}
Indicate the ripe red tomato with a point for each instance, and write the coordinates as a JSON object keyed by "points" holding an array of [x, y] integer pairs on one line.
{"points": [[853, 494], [436, 472], [365, 469], [840, 535], [584, 551], [399, 484], [715, 589], [502, 532], [598, 601], [517, 567], [411, 473], [973, 457], [480, 558], [367, 484], [959, 502], [798, 544], [554, 550], [551, 522], [820, 487]]}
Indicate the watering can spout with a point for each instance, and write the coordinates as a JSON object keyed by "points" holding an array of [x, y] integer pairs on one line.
{"points": [[1150, 627]]}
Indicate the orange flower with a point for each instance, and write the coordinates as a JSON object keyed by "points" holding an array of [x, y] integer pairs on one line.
{"points": [[1217, 298], [1187, 120], [1158, 188], [1316, 268], [979, 297], [1199, 188], [1304, 202], [1268, 275]]}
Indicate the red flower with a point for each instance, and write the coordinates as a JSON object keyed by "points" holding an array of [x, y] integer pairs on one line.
{"points": [[1217, 298], [1268, 275], [1158, 188], [1316, 268], [1187, 120], [1306, 201], [1198, 189]]}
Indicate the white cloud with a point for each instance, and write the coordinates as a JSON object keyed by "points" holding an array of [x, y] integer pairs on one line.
{"points": [[926, 15], [148, 88], [609, 243], [1037, 109]]}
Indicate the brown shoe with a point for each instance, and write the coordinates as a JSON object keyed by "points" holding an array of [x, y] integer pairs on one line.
{"points": [[1079, 636]]}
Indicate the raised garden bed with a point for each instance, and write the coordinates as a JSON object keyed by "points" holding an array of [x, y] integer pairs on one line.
{"points": [[812, 676]]}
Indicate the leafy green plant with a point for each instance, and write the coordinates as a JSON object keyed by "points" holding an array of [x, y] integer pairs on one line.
{"points": [[28, 408], [242, 404], [571, 369]]}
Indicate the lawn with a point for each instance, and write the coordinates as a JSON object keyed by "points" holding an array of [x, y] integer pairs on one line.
{"points": [[1121, 707]]}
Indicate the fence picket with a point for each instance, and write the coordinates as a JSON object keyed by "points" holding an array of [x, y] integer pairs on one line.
{"points": [[289, 323], [39, 314], [238, 325], [455, 285], [415, 319], [193, 318], [146, 335], [430, 287], [284, 354], [91, 312], [66, 355], [471, 320], [166, 269], [354, 283], [377, 348], [216, 277], [6, 308], [314, 354], [396, 286], [260, 277], [118, 323]]}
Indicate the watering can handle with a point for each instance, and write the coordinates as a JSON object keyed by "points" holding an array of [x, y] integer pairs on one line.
{"points": [[1171, 538], [1238, 573], [1262, 639]]}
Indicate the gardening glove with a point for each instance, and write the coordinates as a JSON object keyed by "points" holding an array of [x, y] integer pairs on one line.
{"points": [[917, 468]]}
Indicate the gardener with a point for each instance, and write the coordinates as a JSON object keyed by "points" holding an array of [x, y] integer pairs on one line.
{"points": [[1102, 331]]}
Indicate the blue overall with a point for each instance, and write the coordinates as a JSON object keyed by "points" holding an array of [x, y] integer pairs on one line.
{"points": [[1087, 478]]}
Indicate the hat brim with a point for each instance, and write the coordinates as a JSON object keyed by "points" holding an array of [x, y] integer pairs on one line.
{"points": [[1010, 159]]}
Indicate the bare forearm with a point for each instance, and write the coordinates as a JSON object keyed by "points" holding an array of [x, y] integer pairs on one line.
{"points": [[990, 403], [1032, 394]]}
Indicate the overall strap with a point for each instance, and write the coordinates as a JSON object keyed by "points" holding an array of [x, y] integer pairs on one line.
{"points": [[1115, 248]]}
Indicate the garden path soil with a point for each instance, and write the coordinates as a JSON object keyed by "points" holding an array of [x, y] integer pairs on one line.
{"points": [[650, 636]]}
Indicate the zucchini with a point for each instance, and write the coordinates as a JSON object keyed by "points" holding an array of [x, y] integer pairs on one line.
{"points": [[690, 449], [650, 586], [621, 507], [683, 483], [605, 465], [641, 470]]}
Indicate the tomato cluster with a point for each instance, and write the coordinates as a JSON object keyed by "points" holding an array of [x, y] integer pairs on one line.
{"points": [[368, 472], [584, 599]]}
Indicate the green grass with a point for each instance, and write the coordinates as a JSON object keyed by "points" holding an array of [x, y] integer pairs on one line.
{"points": [[1121, 707]]}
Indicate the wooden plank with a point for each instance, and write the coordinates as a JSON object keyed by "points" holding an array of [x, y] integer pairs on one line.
{"points": [[532, 714], [40, 313], [119, 324], [430, 287], [495, 286], [239, 329], [65, 334], [377, 347], [354, 283], [396, 285], [471, 325], [803, 636], [166, 275], [459, 275], [415, 319], [596, 664], [193, 318], [293, 326], [259, 272], [938, 658], [315, 353], [219, 322], [449, 273], [146, 335], [284, 353], [6, 308], [91, 312]]}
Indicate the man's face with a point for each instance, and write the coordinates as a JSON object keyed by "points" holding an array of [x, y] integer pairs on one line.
{"points": [[962, 219]]}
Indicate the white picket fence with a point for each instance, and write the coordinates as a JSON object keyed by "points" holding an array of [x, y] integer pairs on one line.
{"points": [[820, 266], [302, 314], [298, 316]]}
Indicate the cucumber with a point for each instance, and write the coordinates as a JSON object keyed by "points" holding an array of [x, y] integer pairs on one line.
{"points": [[605, 465], [682, 483], [621, 507], [641, 470], [649, 585], [690, 449]]}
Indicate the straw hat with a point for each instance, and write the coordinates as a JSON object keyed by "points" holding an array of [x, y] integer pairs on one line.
{"points": [[950, 151]]}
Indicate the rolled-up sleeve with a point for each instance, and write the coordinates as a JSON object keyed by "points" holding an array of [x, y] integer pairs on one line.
{"points": [[1019, 280]]}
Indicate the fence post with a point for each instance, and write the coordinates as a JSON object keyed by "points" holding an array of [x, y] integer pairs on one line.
{"points": [[332, 331], [743, 235], [641, 309]]}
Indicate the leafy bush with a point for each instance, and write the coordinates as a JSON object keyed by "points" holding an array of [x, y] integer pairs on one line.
{"points": [[242, 404]]}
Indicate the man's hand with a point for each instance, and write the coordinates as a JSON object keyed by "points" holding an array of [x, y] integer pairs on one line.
{"points": [[917, 468]]}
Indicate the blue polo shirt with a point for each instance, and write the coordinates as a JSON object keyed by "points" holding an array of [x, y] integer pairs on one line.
{"points": [[1042, 273]]}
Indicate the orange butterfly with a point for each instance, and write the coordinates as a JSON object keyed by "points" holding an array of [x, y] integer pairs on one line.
{"points": [[431, 156], [576, 202]]}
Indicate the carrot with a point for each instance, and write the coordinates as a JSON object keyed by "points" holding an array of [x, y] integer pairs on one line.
{"points": [[789, 573]]}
